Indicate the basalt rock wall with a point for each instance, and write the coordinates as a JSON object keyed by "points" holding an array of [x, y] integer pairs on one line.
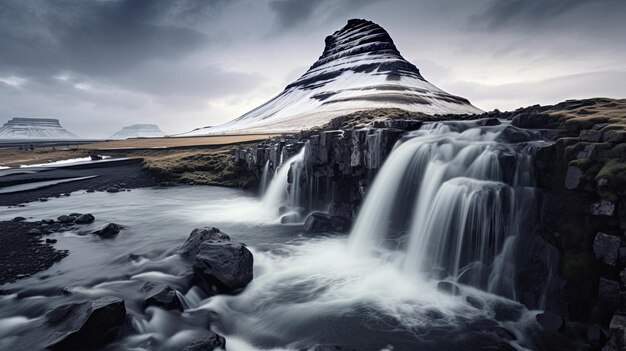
{"points": [[337, 167]]}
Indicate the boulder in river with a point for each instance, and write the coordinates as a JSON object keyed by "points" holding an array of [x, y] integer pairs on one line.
{"points": [[85, 219], [209, 341], [199, 235], [86, 324], [108, 231], [550, 321], [448, 288], [317, 222], [64, 219], [225, 265], [165, 297]]}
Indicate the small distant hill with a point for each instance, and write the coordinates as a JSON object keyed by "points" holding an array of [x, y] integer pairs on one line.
{"points": [[34, 128], [138, 131]]}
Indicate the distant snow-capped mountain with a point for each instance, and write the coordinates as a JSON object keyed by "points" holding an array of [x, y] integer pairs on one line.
{"points": [[139, 131], [360, 68], [35, 128]]}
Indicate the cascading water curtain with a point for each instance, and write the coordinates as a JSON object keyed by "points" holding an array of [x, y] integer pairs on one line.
{"points": [[452, 198]]}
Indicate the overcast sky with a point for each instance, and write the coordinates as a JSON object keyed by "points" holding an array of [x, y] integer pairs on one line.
{"points": [[102, 64]]}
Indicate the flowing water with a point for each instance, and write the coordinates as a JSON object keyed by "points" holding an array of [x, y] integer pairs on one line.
{"points": [[448, 199]]}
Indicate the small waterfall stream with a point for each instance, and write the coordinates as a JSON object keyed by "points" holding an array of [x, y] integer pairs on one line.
{"points": [[265, 178], [276, 194]]}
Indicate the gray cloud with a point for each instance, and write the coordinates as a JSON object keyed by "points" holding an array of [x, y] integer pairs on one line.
{"points": [[96, 37], [101, 64], [292, 13], [297, 13], [527, 13]]}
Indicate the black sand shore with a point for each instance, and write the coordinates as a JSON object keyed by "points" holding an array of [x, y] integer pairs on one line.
{"points": [[24, 250], [108, 176]]}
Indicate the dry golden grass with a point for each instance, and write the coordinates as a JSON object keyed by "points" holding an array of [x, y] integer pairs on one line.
{"points": [[147, 143], [16, 157], [599, 111], [198, 166]]}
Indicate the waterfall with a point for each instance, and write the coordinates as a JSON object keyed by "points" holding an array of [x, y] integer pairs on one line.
{"points": [[277, 193], [453, 197], [265, 178]]}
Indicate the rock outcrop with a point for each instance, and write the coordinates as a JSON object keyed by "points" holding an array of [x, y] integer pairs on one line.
{"points": [[219, 265], [86, 324]]}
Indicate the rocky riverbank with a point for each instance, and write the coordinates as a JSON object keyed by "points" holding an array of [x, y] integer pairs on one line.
{"points": [[216, 265]]}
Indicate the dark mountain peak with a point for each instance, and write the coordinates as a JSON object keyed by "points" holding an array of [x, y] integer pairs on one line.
{"points": [[358, 37], [360, 68]]}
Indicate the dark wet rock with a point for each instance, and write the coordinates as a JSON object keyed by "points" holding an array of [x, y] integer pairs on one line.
{"points": [[514, 135], [291, 218], [550, 321], [488, 122], [475, 274], [282, 210], [64, 219], [602, 208], [572, 178], [596, 335], [47, 221], [108, 231], [534, 121], [617, 331], [474, 302], [404, 124], [112, 190], [317, 222], [84, 218], [537, 279], [191, 247], [51, 241], [608, 293], [86, 324], [614, 136], [622, 255], [590, 135], [18, 219], [207, 342], [507, 311], [448, 288], [165, 298], [606, 248], [225, 265], [34, 231]]}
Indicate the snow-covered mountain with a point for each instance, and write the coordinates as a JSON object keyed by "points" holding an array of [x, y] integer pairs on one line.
{"points": [[34, 128], [139, 131], [360, 68]]}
